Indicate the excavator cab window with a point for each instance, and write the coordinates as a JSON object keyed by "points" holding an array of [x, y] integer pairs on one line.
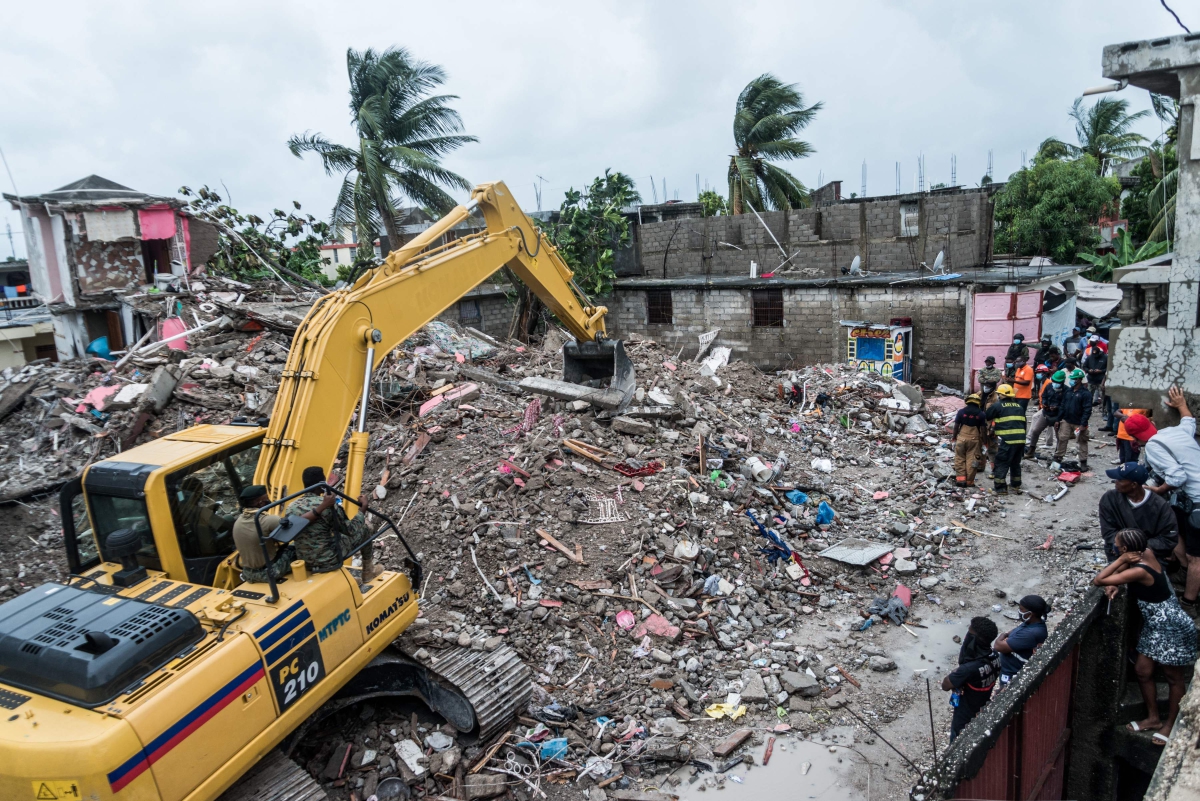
{"points": [[204, 503], [111, 512], [80, 541]]}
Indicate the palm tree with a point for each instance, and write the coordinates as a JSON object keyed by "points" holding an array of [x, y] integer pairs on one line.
{"points": [[402, 133], [1103, 133], [768, 115]]}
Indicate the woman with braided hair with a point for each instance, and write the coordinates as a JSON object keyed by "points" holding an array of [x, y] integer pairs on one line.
{"points": [[1168, 636]]}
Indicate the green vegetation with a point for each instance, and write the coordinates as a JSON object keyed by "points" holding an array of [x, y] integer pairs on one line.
{"points": [[403, 132], [768, 115], [1051, 208], [1103, 132], [713, 203], [1122, 255], [251, 248], [591, 228]]}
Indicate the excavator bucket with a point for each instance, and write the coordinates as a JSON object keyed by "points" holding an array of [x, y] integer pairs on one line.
{"points": [[602, 365]]}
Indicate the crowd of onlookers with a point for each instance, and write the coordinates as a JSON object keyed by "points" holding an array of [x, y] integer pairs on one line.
{"points": [[1149, 520]]}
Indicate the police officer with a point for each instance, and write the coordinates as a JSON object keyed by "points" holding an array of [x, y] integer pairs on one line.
{"points": [[330, 535], [1009, 418], [245, 538]]}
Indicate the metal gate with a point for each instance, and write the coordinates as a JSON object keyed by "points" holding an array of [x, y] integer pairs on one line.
{"points": [[997, 317], [1028, 761]]}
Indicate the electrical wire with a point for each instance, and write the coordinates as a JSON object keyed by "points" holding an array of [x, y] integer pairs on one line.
{"points": [[1176, 16]]}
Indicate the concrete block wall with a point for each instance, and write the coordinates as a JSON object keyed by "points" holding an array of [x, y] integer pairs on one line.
{"points": [[828, 238], [811, 332], [495, 315]]}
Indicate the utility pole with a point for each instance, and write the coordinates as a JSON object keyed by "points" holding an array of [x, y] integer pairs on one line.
{"points": [[953, 170], [697, 187], [654, 189], [537, 190], [864, 179], [11, 246], [897, 177]]}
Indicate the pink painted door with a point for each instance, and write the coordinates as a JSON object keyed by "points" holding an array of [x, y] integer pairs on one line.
{"points": [[999, 316]]}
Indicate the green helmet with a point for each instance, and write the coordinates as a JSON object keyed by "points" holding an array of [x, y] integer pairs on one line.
{"points": [[1059, 376], [1077, 374]]}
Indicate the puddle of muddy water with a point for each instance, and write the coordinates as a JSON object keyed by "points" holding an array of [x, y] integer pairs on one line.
{"points": [[798, 769]]}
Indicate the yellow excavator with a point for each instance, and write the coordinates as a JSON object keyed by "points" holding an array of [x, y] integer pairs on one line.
{"points": [[155, 672]]}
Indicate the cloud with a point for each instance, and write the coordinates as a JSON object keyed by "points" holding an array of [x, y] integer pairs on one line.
{"points": [[156, 96]]}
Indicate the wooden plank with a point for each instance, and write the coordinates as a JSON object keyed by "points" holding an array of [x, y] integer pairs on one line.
{"points": [[578, 559], [732, 743]]}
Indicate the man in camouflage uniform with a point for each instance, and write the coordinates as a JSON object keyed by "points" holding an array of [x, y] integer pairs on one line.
{"points": [[329, 536], [245, 538]]}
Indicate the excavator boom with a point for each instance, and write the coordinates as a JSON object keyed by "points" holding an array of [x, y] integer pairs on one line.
{"points": [[348, 333]]}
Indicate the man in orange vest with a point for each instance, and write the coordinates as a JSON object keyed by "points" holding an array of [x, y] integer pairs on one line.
{"points": [[1023, 382], [1127, 447]]}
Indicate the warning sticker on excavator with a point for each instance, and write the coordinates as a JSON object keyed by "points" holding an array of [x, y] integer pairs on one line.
{"points": [[56, 791]]}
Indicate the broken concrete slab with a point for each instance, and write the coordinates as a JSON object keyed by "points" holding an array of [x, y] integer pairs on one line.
{"points": [[564, 390], [163, 381], [632, 427], [856, 551], [127, 396], [484, 785]]}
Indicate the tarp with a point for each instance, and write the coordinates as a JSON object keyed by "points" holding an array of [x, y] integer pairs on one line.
{"points": [[1057, 323], [109, 226], [1095, 299]]}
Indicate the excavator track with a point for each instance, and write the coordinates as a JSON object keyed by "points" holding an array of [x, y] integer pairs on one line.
{"points": [[475, 691], [276, 778]]}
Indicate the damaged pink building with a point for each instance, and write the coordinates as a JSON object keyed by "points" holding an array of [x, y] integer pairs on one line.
{"points": [[92, 242]]}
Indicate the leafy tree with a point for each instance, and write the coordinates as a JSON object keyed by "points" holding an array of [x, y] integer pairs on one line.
{"points": [[591, 228], [767, 117], [402, 134], [1144, 204], [1122, 255], [1103, 132], [251, 248], [712, 203], [1050, 209]]}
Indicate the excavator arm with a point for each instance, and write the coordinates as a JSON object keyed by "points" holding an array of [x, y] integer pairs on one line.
{"points": [[347, 333]]}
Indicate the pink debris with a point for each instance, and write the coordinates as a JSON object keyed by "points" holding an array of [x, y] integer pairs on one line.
{"points": [[879, 496], [625, 619], [658, 626], [903, 593], [670, 366], [461, 394], [169, 328], [97, 398], [549, 604], [458, 357], [886, 559]]}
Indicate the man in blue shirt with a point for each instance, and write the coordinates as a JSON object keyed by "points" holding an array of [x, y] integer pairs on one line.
{"points": [[1017, 646]]}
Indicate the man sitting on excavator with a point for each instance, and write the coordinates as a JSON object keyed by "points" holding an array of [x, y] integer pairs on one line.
{"points": [[245, 538], [329, 534]]}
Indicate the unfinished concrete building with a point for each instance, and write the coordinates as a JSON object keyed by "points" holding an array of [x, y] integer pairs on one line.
{"points": [[93, 240], [787, 288]]}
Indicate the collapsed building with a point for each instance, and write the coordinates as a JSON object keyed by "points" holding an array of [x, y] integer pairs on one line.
{"points": [[93, 241]]}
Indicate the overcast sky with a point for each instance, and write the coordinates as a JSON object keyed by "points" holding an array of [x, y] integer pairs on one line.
{"points": [[160, 95]]}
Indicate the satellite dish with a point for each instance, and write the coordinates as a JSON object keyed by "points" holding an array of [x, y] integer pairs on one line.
{"points": [[856, 266], [939, 261]]}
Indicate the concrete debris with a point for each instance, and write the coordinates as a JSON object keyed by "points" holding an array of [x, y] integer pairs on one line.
{"points": [[628, 572]]}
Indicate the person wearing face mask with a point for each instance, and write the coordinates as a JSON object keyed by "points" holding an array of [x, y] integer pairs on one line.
{"points": [[972, 681], [1168, 636], [1017, 349], [1072, 424], [1017, 646], [1051, 412]]}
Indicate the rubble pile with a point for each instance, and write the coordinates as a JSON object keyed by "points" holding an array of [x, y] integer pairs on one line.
{"points": [[726, 558]]}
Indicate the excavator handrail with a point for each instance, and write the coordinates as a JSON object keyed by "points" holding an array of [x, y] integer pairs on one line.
{"points": [[388, 524]]}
